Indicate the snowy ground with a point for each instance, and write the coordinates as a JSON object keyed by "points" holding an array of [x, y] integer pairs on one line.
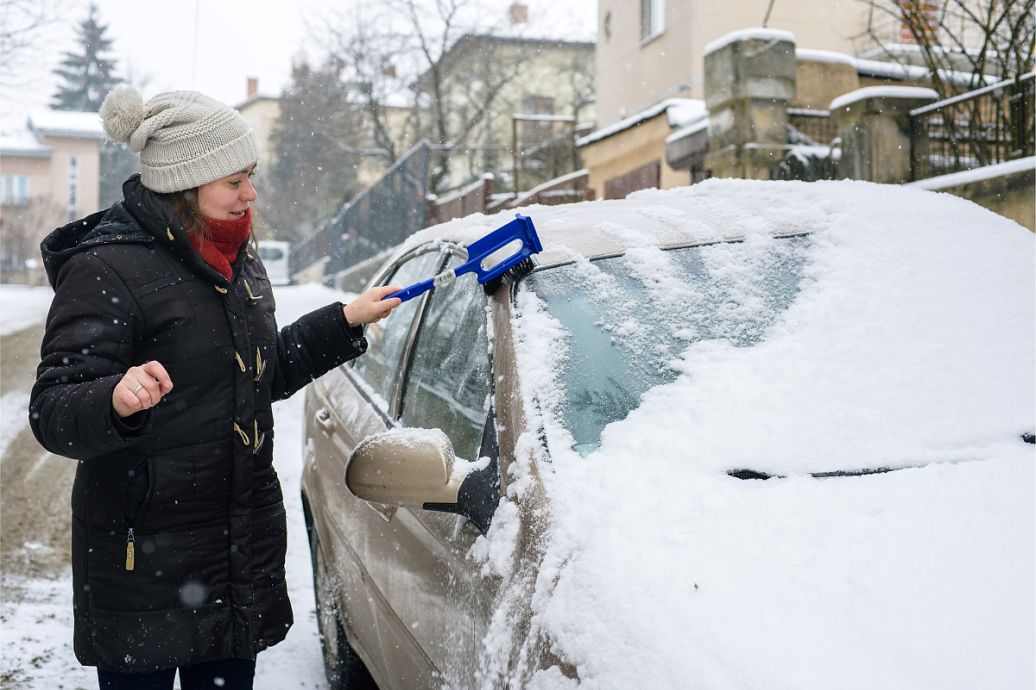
{"points": [[36, 613]]}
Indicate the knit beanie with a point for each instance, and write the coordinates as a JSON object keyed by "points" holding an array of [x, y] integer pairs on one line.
{"points": [[185, 139]]}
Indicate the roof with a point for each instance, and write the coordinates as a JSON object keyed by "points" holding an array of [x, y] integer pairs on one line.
{"points": [[513, 37], [23, 143], [67, 123], [913, 92], [681, 112]]}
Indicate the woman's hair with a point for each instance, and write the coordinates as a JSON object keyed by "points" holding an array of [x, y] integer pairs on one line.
{"points": [[185, 208]]}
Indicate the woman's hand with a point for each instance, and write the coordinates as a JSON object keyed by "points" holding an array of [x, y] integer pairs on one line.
{"points": [[371, 306], [141, 388]]}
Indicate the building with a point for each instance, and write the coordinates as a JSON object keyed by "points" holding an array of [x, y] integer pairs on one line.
{"points": [[261, 111], [513, 102], [675, 57], [652, 50], [49, 175]]}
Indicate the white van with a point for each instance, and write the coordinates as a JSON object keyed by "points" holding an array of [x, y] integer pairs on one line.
{"points": [[275, 257]]}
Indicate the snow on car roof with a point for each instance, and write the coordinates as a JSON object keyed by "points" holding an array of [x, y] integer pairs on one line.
{"points": [[649, 218]]}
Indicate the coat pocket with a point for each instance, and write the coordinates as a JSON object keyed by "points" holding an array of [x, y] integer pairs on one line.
{"points": [[138, 490], [188, 568]]}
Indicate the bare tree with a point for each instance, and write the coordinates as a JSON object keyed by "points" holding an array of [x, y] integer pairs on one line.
{"points": [[980, 39], [443, 63], [23, 27], [964, 45], [22, 228]]}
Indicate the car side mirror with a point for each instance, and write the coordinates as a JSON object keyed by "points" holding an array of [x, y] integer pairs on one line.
{"points": [[406, 467]]}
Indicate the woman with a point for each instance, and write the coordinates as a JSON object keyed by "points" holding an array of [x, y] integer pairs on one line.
{"points": [[160, 361]]}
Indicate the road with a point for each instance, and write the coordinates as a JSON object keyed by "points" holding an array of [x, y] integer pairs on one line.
{"points": [[35, 525]]}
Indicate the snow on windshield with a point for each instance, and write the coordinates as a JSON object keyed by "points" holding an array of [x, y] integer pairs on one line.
{"points": [[909, 343], [627, 319]]}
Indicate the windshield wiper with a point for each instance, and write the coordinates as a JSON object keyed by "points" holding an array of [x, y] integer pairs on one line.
{"points": [[755, 474]]}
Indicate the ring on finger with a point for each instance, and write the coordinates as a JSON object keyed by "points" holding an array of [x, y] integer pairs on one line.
{"points": [[137, 389]]}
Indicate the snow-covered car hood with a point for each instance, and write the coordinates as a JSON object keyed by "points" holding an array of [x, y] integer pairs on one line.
{"points": [[919, 578], [909, 345]]}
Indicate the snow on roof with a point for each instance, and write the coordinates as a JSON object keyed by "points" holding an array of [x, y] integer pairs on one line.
{"points": [[893, 70], [22, 142], [684, 106], [550, 20], [67, 123], [814, 55], [688, 130], [753, 34], [883, 92], [689, 111], [984, 173]]}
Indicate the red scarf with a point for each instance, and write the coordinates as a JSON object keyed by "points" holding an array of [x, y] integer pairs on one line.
{"points": [[220, 250]]}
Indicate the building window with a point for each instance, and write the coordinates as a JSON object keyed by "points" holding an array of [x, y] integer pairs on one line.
{"points": [[919, 21], [73, 187], [652, 19], [15, 190]]}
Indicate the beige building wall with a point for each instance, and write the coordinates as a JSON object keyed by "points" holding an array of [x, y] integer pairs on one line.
{"points": [[629, 150], [47, 205], [262, 112], [37, 169], [87, 153], [670, 64], [549, 70]]}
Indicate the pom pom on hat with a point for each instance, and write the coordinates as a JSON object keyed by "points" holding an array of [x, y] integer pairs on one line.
{"points": [[185, 139], [122, 113]]}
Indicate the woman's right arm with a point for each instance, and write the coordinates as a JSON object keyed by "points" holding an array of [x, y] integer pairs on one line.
{"points": [[87, 349]]}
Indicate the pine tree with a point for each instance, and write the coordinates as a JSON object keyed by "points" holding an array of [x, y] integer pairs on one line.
{"points": [[89, 74]]}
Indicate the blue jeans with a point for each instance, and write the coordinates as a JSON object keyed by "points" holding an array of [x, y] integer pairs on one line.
{"points": [[227, 674]]}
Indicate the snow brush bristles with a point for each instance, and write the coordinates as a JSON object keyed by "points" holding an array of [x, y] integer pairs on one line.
{"points": [[503, 272]]}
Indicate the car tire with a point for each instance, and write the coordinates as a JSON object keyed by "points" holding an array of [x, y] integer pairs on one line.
{"points": [[344, 668]]}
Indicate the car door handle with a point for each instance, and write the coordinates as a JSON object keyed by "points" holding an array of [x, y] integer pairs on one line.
{"points": [[324, 420]]}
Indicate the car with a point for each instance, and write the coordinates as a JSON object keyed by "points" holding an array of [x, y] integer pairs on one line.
{"points": [[275, 255], [743, 434]]}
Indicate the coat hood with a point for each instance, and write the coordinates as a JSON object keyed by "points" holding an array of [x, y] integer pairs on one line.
{"points": [[104, 227], [141, 217]]}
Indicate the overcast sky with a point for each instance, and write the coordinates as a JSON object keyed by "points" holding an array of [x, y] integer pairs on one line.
{"points": [[211, 46]]}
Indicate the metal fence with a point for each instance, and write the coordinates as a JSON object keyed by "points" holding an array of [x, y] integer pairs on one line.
{"points": [[990, 125], [379, 217]]}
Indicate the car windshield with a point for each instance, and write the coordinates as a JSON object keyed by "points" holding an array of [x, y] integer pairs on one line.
{"points": [[628, 318]]}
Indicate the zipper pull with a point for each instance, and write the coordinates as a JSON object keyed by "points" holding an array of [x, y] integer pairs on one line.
{"points": [[129, 549]]}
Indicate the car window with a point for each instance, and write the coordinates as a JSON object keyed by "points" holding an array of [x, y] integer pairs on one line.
{"points": [[628, 318], [449, 380], [386, 338]]}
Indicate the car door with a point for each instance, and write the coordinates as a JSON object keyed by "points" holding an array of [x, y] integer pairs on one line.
{"points": [[416, 559], [353, 402], [447, 385]]}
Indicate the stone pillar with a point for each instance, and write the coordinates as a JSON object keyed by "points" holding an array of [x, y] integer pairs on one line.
{"points": [[749, 81], [874, 126]]}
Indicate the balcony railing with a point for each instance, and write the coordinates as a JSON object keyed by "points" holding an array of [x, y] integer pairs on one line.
{"points": [[983, 127]]}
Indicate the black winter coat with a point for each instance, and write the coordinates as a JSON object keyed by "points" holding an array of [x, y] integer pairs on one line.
{"points": [[190, 482]]}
